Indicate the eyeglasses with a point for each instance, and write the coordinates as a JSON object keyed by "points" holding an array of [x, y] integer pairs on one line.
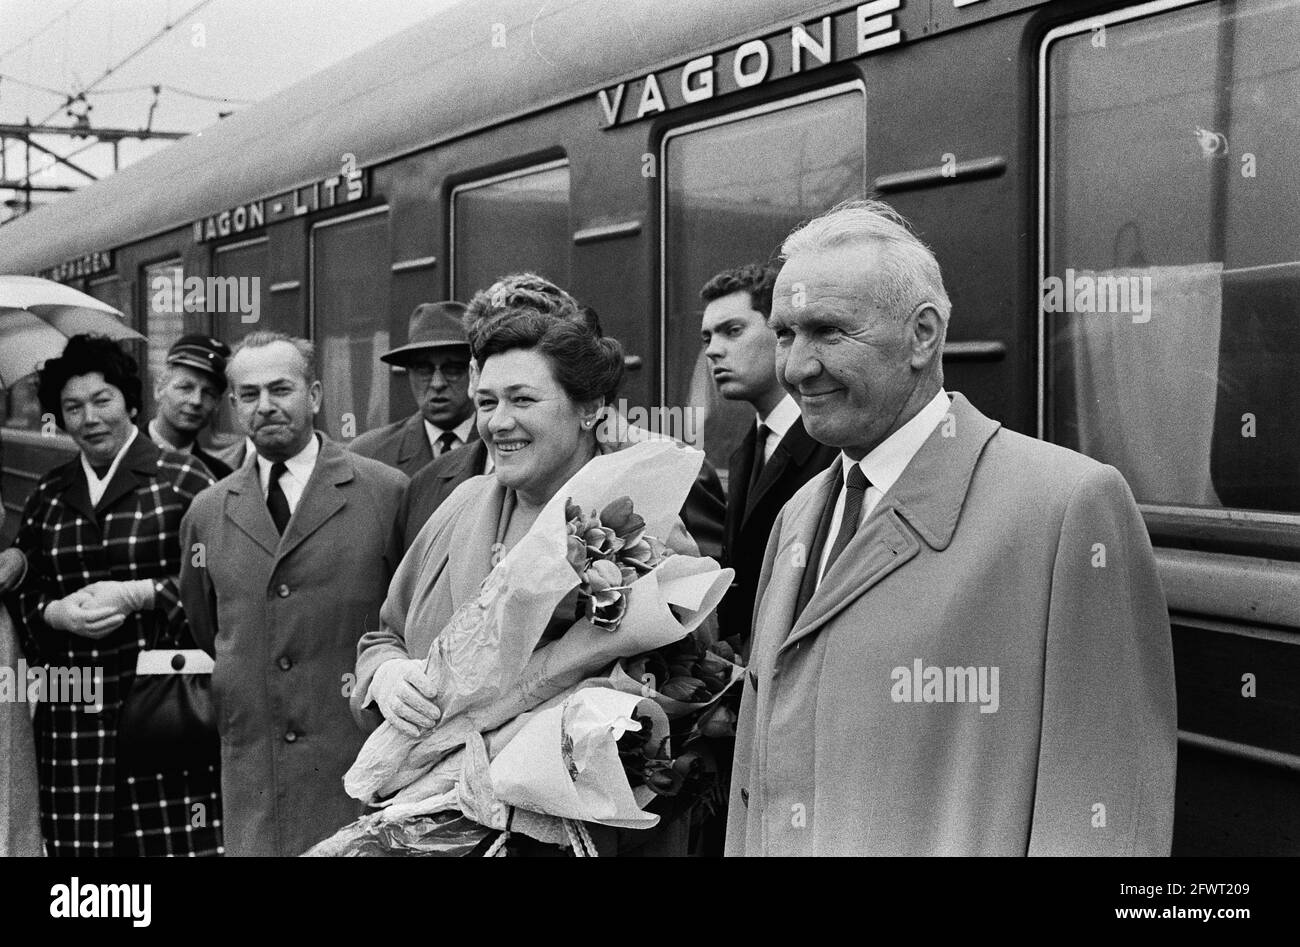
{"points": [[451, 371]]}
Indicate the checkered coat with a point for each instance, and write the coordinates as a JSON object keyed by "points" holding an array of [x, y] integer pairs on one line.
{"points": [[92, 803]]}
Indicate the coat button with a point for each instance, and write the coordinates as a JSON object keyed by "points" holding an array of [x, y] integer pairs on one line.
{"points": [[282, 591], [285, 663], [290, 737], [178, 661]]}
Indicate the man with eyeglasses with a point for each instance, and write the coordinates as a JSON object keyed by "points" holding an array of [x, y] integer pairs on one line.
{"points": [[436, 359]]}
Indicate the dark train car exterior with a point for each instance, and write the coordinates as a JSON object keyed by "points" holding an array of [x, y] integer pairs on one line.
{"points": [[1112, 191]]}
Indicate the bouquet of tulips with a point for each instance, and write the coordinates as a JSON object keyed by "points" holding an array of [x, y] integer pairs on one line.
{"points": [[510, 707]]}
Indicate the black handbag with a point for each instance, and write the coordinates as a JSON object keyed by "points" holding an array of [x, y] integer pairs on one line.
{"points": [[168, 716]]}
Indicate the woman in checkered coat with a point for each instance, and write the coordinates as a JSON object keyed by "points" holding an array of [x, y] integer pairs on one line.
{"points": [[101, 539]]}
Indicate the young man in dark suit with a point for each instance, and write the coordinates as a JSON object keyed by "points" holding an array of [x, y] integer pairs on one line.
{"points": [[777, 456]]}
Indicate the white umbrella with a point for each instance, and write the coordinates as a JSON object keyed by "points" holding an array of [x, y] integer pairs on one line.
{"points": [[38, 315]]}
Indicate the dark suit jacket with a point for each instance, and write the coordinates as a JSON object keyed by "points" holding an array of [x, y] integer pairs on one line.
{"points": [[217, 467], [403, 444], [701, 515], [795, 461]]}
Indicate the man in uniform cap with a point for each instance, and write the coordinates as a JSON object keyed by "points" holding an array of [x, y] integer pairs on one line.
{"points": [[187, 393], [436, 359]]}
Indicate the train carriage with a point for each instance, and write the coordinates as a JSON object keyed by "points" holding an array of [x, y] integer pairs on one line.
{"points": [[1112, 191]]}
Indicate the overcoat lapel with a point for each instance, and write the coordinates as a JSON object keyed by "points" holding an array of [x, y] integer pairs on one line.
{"points": [[141, 459], [880, 546], [74, 489], [414, 450], [929, 496], [246, 508], [472, 540], [321, 498]]}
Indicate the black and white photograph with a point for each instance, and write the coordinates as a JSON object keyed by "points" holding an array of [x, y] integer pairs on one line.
{"points": [[691, 429]]}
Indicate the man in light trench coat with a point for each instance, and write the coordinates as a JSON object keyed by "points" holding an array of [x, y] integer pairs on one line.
{"points": [[961, 646], [286, 564]]}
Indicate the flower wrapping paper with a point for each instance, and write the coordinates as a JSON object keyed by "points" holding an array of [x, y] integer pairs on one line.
{"points": [[484, 665]]}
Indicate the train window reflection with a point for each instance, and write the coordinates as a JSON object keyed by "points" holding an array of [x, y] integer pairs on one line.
{"points": [[509, 224], [248, 261], [349, 292], [733, 190], [1171, 301], [164, 322]]}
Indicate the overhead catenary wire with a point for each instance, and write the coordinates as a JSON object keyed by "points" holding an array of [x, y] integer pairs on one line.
{"points": [[167, 27], [6, 77], [41, 31]]}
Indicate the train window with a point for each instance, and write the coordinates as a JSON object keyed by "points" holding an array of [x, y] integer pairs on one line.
{"points": [[1171, 217], [108, 289], [509, 224], [733, 189], [349, 306], [249, 261], [22, 406], [164, 322]]}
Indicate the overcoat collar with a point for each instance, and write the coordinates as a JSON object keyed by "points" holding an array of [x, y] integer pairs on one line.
{"points": [[415, 441], [321, 499], [928, 497], [140, 463]]}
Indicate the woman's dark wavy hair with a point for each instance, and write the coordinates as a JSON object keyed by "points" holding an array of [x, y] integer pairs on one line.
{"points": [[587, 366], [85, 355], [527, 311]]}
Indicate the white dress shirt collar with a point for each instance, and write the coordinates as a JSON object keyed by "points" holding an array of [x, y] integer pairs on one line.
{"points": [[779, 421], [461, 430], [887, 461], [299, 468], [95, 485]]}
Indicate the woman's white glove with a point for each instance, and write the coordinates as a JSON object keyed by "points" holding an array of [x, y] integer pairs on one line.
{"points": [[405, 695], [135, 595], [80, 614]]}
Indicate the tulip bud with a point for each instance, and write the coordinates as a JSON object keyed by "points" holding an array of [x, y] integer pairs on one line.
{"points": [[719, 722], [690, 690], [723, 650]]}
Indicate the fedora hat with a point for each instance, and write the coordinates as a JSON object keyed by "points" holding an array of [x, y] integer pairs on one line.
{"points": [[433, 326]]}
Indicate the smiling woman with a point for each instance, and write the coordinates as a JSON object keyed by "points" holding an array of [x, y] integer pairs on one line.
{"points": [[542, 383], [541, 375]]}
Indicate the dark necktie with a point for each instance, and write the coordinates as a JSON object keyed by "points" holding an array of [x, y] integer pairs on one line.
{"points": [[855, 491], [276, 501], [760, 459], [446, 441]]}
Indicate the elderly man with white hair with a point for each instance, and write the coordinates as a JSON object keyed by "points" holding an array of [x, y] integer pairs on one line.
{"points": [[961, 646]]}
